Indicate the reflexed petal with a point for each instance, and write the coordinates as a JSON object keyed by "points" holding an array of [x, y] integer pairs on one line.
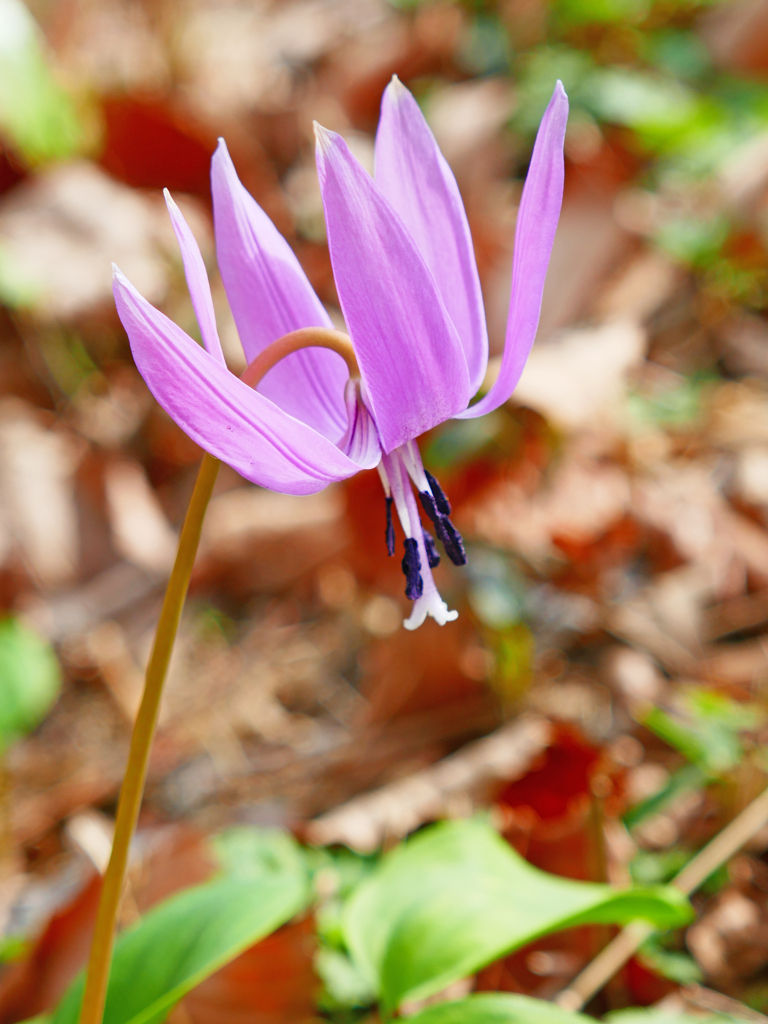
{"points": [[221, 413], [534, 235], [415, 177], [270, 295], [410, 356], [197, 280]]}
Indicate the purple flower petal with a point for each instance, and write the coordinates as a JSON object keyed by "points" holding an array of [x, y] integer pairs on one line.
{"points": [[415, 177], [361, 440], [270, 295], [222, 414], [197, 280], [534, 235], [410, 356]]}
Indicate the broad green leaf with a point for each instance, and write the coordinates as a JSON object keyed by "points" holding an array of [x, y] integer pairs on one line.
{"points": [[30, 680], [457, 897], [183, 941], [498, 1008]]}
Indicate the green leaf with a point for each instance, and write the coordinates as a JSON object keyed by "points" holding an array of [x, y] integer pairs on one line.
{"points": [[457, 897], [183, 941], [654, 1016], [498, 1008], [705, 727], [246, 852], [670, 963], [343, 984], [686, 779], [36, 114], [30, 680]]}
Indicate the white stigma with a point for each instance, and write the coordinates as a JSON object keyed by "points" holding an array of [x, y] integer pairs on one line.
{"points": [[430, 604]]}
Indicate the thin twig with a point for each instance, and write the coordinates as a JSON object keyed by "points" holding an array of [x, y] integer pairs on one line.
{"points": [[697, 870]]}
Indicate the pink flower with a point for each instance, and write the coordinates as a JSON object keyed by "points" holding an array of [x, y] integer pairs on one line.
{"points": [[408, 286]]}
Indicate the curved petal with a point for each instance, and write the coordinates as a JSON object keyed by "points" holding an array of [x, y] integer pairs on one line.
{"points": [[410, 356], [415, 177], [221, 413], [361, 440], [270, 295], [534, 235], [197, 280]]}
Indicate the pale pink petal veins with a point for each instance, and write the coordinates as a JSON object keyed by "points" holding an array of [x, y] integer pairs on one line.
{"points": [[410, 355], [222, 414], [270, 296], [197, 280], [534, 236], [415, 177]]}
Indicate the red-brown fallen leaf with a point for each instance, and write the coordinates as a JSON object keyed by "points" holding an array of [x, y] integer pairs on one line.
{"points": [[173, 153], [563, 774], [551, 817], [37, 983], [273, 982], [644, 986]]}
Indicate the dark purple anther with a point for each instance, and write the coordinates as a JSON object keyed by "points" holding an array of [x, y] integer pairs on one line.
{"points": [[452, 542], [443, 505], [414, 584], [433, 504], [429, 543], [390, 529], [429, 506]]}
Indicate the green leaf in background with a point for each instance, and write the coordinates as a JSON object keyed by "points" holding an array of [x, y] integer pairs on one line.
{"points": [[670, 963], [498, 1008], [183, 941], [37, 116], [30, 680], [584, 12], [457, 897], [653, 1016], [245, 852], [705, 727], [654, 105], [685, 780]]}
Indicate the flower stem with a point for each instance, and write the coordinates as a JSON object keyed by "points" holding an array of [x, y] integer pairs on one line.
{"points": [[132, 789]]}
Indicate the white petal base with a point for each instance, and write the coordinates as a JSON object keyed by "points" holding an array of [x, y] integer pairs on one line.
{"points": [[430, 604]]}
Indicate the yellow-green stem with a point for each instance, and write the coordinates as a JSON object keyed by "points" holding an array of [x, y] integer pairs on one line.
{"points": [[132, 790], [97, 977]]}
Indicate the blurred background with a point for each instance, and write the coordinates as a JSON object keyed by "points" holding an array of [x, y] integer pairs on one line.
{"points": [[603, 690]]}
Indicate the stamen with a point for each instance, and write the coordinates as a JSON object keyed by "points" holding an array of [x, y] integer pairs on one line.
{"points": [[390, 533], [443, 505], [414, 584], [452, 542], [444, 528], [383, 476], [429, 544], [430, 506]]}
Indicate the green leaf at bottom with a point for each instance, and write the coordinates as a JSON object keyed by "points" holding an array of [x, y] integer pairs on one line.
{"points": [[456, 897], [184, 940], [498, 1008]]}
